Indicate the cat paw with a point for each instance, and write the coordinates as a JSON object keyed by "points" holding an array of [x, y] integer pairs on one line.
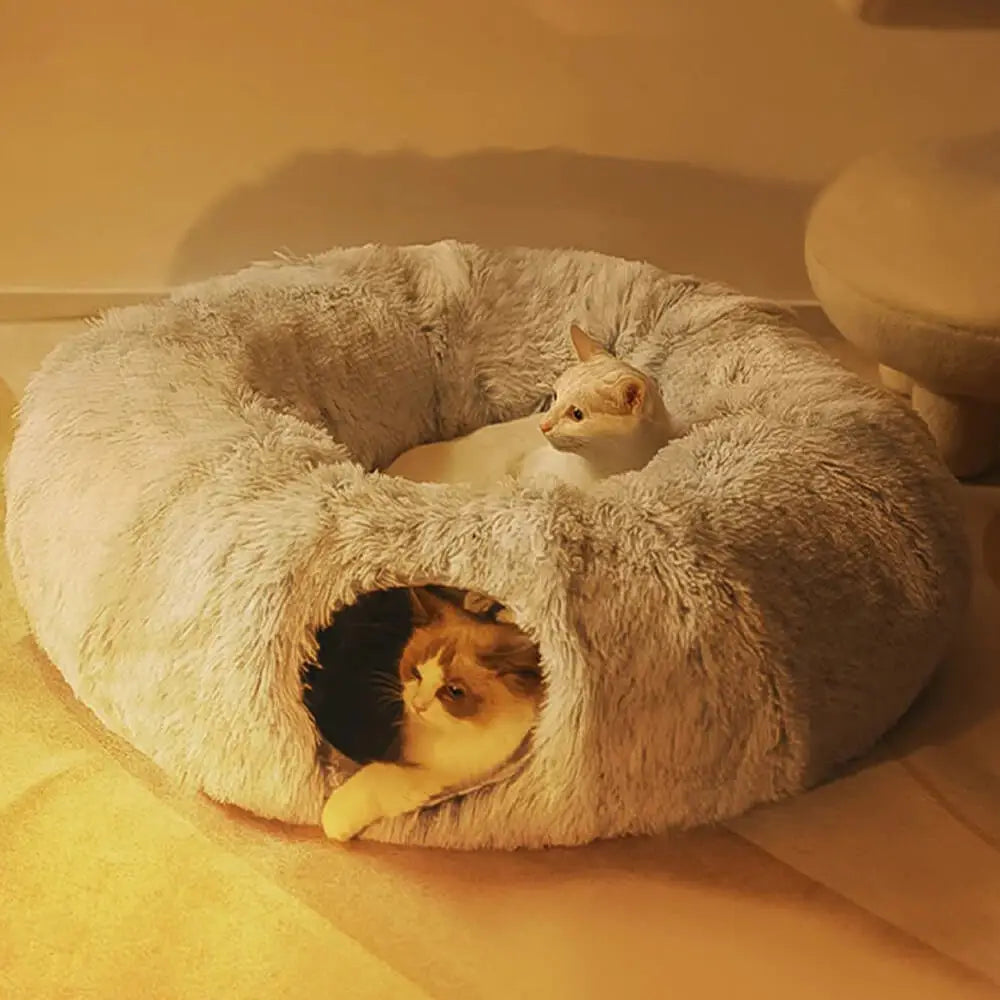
{"points": [[340, 828], [344, 816]]}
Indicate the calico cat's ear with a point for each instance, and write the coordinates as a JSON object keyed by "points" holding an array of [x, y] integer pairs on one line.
{"points": [[426, 606], [516, 661], [632, 392], [584, 345], [514, 652], [526, 682]]}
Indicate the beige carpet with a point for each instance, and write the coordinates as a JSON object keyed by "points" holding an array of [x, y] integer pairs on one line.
{"points": [[883, 884]]}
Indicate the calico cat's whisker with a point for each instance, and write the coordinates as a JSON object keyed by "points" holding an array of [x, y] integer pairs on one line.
{"points": [[383, 678]]}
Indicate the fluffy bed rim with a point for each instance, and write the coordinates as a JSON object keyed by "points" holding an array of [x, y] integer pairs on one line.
{"points": [[191, 495]]}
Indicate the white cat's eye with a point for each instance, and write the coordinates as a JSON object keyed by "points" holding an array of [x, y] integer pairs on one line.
{"points": [[576, 413]]}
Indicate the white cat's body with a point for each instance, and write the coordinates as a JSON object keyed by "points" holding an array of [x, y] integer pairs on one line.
{"points": [[620, 423], [481, 459], [518, 449], [544, 465]]}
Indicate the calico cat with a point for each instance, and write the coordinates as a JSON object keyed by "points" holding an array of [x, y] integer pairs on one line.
{"points": [[605, 417], [471, 691]]}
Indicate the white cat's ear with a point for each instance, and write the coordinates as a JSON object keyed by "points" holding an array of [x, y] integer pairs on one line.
{"points": [[584, 345], [633, 393], [426, 606]]}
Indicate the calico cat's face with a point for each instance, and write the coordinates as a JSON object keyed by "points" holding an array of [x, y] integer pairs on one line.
{"points": [[458, 670], [596, 403]]}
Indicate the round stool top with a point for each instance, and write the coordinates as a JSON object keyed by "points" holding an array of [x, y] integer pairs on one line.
{"points": [[918, 230]]}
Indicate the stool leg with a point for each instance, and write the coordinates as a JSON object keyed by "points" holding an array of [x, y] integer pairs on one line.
{"points": [[966, 430], [895, 381]]}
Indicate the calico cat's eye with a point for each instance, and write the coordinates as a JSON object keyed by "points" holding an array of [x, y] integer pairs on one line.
{"points": [[417, 676], [454, 692], [576, 413]]}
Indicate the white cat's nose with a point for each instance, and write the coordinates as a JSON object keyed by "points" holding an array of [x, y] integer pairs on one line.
{"points": [[545, 426]]}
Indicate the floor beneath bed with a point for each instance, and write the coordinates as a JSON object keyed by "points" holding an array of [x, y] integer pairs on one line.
{"points": [[885, 883]]}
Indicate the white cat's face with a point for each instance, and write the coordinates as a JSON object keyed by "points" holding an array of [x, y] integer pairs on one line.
{"points": [[594, 404], [598, 402]]}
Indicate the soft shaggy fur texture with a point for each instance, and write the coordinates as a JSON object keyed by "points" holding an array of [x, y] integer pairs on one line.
{"points": [[191, 497]]}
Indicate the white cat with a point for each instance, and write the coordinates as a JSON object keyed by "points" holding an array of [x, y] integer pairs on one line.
{"points": [[606, 417], [481, 459]]}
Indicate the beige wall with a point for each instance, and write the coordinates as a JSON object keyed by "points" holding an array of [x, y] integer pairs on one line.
{"points": [[149, 142]]}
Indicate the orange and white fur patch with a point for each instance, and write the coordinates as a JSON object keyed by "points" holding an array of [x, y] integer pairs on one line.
{"points": [[605, 417], [471, 692]]}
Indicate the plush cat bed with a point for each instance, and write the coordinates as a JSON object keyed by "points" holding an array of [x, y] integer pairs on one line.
{"points": [[191, 498]]}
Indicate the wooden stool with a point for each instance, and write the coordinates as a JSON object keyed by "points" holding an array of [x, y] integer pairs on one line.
{"points": [[903, 252]]}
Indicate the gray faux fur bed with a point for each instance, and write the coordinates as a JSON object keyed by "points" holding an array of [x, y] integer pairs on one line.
{"points": [[191, 496]]}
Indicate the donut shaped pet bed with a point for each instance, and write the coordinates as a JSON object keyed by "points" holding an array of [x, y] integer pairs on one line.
{"points": [[192, 499]]}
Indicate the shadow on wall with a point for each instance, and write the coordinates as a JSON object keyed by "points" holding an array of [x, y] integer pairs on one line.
{"points": [[683, 218]]}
